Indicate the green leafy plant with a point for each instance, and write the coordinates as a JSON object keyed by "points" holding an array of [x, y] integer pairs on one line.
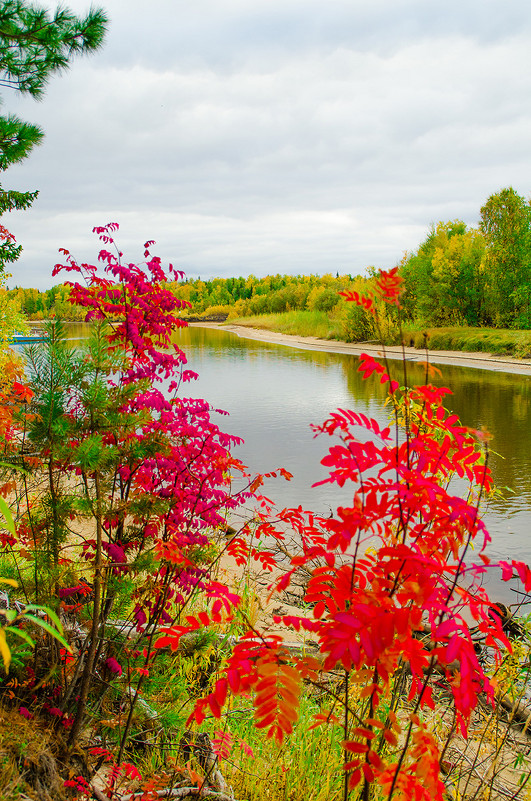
{"points": [[14, 622]]}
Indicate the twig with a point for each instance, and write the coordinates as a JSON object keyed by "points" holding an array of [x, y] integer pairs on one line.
{"points": [[98, 795], [180, 792]]}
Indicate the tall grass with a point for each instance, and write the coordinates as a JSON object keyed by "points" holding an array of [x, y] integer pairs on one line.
{"points": [[318, 324], [306, 766], [331, 325], [502, 341]]}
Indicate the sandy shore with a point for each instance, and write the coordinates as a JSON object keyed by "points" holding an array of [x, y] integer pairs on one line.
{"points": [[484, 361]]}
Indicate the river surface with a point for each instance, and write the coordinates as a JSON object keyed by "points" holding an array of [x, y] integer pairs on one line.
{"points": [[273, 393]]}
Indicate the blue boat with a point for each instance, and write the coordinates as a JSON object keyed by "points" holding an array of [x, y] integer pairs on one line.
{"points": [[28, 339]]}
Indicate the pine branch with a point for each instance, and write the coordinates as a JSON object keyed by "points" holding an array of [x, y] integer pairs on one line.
{"points": [[33, 46], [17, 139], [10, 200]]}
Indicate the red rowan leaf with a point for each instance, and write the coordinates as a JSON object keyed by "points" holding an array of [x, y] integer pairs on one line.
{"points": [[361, 731], [222, 744], [355, 776], [195, 778], [356, 748], [214, 706], [267, 720], [277, 697], [322, 719], [233, 678], [390, 737]]}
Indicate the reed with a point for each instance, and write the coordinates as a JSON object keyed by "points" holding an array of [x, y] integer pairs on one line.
{"points": [[503, 341], [318, 324]]}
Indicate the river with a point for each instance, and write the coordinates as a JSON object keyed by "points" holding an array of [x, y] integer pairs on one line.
{"points": [[273, 394]]}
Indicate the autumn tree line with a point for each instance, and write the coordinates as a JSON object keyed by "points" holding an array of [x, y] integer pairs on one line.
{"points": [[459, 276], [241, 297]]}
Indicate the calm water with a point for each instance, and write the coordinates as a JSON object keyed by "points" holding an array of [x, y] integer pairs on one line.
{"points": [[274, 392]]}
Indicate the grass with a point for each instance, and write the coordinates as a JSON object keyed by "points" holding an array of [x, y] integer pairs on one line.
{"points": [[298, 323], [29, 764], [498, 341], [305, 766], [502, 341]]}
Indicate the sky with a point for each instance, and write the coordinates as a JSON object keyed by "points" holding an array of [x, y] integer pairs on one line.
{"points": [[276, 136]]}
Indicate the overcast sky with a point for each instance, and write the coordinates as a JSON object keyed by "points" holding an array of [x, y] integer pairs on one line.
{"points": [[266, 136]]}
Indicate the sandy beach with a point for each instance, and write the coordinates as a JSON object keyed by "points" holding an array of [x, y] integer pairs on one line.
{"points": [[484, 361]]}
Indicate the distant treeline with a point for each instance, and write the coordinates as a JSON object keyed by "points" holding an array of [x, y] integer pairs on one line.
{"points": [[240, 297], [460, 275], [38, 305], [274, 294]]}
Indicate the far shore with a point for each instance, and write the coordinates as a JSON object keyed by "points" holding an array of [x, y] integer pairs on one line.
{"points": [[480, 360]]}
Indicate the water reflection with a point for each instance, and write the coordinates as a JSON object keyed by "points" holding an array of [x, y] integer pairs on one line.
{"points": [[274, 392]]}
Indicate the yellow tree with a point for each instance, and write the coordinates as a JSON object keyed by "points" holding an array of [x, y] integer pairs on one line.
{"points": [[443, 279]]}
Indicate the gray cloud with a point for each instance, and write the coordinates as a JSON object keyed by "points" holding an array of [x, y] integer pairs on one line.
{"points": [[256, 137]]}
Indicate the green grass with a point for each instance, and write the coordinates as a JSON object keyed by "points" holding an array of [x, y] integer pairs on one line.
{"points": [[298, 323], [306, 766], [505, 342]]}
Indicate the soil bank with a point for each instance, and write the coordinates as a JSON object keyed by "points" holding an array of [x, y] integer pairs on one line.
{"points": [[484, 361]]}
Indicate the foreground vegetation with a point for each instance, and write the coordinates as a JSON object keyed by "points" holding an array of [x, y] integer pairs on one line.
{"points": [[138, 661]]}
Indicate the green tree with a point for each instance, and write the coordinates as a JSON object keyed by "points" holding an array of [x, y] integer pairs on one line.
{"points": [[443, 279], [9, 250], [457, 263], [506, 226], [34, 45]]}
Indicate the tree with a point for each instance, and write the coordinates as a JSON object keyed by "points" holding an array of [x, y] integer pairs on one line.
{"points": [[443, 278], [144, 472], [33, 46], [9, 200], [506, 226]]}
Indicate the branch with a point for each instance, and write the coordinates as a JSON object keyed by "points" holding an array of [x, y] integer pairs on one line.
{"points": [[180, 792]]}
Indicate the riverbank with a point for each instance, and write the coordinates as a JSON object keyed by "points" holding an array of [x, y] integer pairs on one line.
{"points": [[478, 360]]}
